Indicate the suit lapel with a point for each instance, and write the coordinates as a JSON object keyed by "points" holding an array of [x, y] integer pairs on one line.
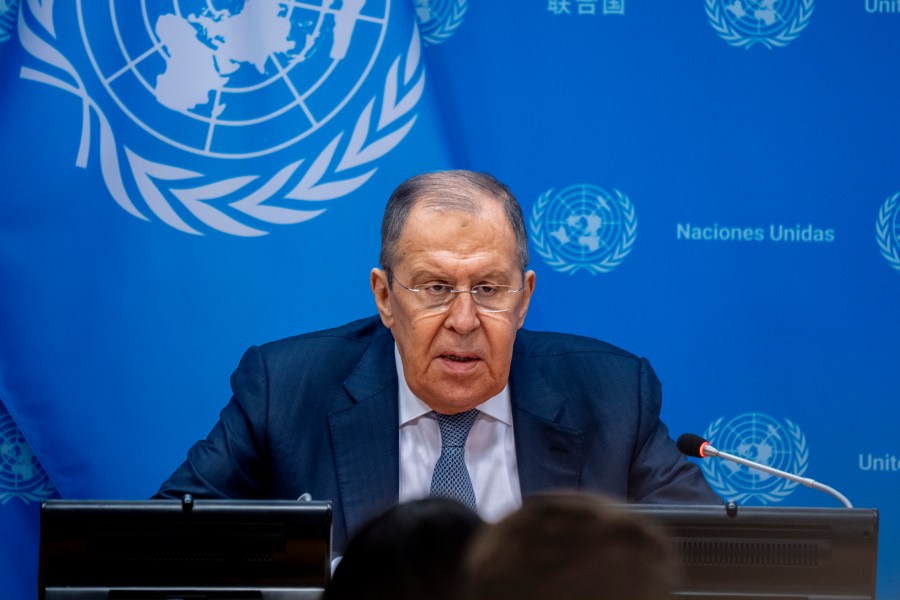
{"points": [[549, 454], [364, 436]]}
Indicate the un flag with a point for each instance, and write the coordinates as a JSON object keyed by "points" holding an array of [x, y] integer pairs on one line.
{"points": [[181, 179]]}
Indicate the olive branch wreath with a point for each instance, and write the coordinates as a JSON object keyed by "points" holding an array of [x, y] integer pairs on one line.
{"points": [[45, 490], [446, 27], [7, 18], [545, 250], [715, 474], [30, 490], [317, 183], [720, 24], [886, 242]]}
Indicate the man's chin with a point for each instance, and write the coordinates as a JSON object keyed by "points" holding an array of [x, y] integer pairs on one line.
{"points": [[459, 401]]}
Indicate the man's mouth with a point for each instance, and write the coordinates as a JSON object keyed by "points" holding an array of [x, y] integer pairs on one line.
{"points": [[456, 358]]}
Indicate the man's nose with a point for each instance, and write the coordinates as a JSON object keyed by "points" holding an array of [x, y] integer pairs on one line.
{"points": [[463, 316]]}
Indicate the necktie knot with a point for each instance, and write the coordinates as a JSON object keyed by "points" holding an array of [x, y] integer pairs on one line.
{"points": [[455, 428]]}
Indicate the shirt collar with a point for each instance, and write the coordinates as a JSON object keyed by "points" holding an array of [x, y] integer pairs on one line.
{"points": [[412, 408]]}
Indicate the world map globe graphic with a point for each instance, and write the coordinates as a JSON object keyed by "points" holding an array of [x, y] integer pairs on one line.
{"points": [[19, 469], [583, 223], [232, 78], [759, 438], [431, 13], [759, 18]]}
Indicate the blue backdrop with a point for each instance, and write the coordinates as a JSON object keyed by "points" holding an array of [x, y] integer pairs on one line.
{"points": [[713, 184]]}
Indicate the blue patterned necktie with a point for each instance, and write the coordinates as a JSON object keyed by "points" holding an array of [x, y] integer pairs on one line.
{"points": [[451, 478]]}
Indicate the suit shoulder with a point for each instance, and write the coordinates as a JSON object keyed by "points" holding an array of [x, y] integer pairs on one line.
{"points": [[545, 343]]}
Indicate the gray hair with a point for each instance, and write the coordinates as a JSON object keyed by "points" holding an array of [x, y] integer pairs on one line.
{"points": [[448, 191]]}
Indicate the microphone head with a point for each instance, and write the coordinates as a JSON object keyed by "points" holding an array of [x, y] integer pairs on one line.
{"points": [[692, 445]]}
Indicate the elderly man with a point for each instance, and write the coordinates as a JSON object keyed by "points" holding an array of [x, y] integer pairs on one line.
{"points": [[441, 393]]}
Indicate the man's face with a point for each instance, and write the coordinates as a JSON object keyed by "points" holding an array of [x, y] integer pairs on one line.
{"points": [[456, 359]]}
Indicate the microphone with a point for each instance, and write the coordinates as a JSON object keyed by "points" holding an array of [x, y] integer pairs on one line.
{"points": [[694, 445]]}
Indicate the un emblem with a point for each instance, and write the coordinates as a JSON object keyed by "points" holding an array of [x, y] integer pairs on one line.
{"points": [[439, 19], [21, 475], [771, 23], [234, 115], [8, 12], [760, 438], [887, 230], [583, 227]]}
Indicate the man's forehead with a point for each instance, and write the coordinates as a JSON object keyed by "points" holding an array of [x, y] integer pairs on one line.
{"points": [[425, 221], [455, 199], [433, 236], [474, 204]]}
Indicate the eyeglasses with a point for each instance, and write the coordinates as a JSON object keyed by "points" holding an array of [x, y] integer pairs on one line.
{"points": [[488, 298]]}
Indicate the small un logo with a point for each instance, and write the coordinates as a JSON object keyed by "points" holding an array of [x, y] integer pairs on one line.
{"points": [[760, 438], [771, 23], [583, 227], [21, 475], [8, 12], [887, 230], [232, 116], [439, 19]]}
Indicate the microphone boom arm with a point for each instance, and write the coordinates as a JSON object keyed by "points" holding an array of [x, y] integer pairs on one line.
{"points": [[708, 450]]}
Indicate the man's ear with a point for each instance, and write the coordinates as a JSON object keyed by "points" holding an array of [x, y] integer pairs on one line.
{"points": [[379, 282], [526, 298]]}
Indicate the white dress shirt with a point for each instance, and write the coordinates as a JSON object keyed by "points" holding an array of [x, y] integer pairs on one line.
{"points": [[490, 451]]}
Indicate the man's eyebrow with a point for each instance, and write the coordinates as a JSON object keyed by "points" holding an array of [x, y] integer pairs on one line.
{"points": [[491, 275], [496, 274], [426, 274]]}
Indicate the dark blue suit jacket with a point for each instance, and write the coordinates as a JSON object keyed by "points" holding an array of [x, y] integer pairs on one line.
{"points": [[318, 414]]}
